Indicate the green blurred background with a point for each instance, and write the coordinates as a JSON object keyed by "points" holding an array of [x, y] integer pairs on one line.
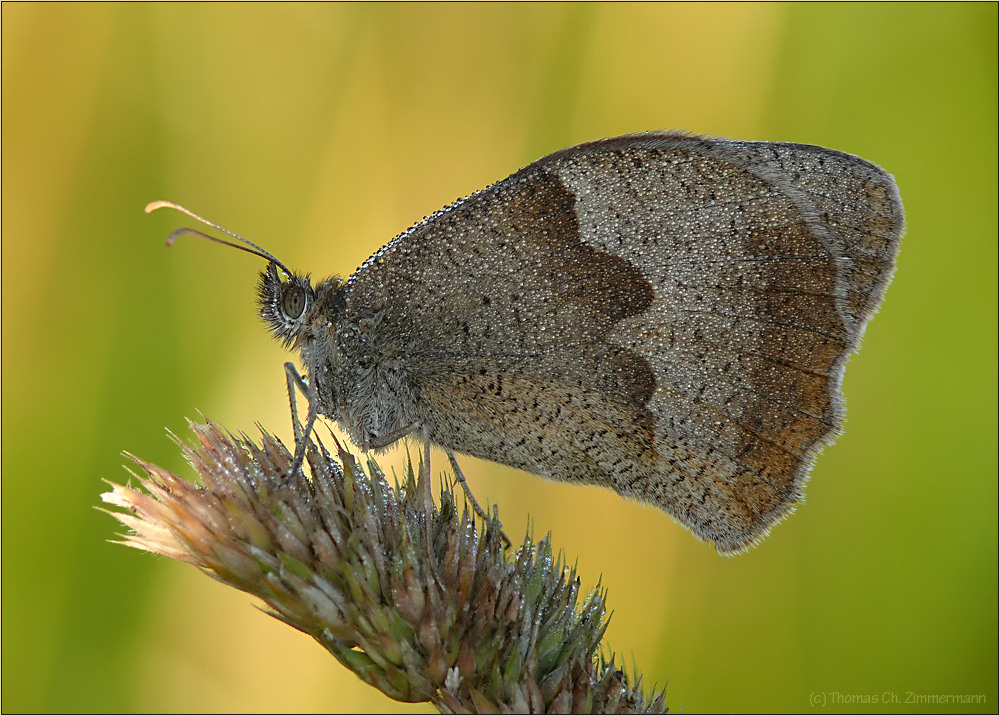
{"points": [[321, 131]]}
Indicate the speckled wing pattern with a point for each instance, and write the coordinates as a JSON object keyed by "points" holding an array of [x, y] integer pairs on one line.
{"points": [[665, 315]]}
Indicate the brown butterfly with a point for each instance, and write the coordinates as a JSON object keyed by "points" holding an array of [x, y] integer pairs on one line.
{"points": [[662, 314]]}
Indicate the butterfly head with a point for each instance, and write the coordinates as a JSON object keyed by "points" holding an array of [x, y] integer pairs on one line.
{"points": [[285, 305]]}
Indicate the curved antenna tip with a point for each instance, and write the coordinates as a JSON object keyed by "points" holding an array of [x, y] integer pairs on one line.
{"points": [[159, 204]]}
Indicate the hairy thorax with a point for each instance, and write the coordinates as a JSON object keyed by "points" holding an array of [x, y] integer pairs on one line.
{"points": [[362, 380]]}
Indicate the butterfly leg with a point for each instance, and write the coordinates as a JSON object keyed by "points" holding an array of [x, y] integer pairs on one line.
{"points": [[295, 382], [460, 478]]}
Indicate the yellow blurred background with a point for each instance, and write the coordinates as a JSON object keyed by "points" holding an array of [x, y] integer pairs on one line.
{"points": [[320, 132]]}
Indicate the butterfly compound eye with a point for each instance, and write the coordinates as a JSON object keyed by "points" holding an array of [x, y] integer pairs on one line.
{"points": [[293, 303]]}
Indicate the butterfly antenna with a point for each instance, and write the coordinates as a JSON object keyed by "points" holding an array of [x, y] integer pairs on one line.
{"points": [[248, 246]]}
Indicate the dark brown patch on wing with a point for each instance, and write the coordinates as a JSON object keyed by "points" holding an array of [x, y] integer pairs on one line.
{"points": [[508, 314]]}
